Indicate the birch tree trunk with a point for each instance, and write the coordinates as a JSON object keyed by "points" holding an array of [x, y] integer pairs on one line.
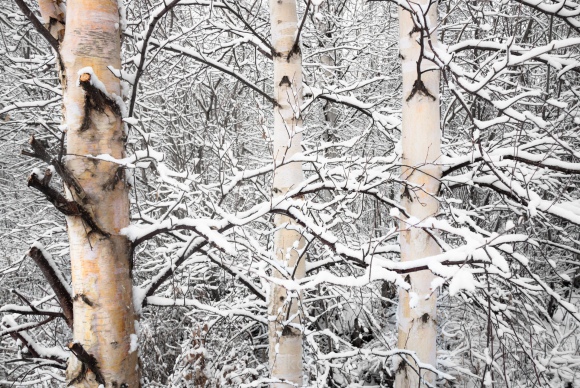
{"points": [[285, 349], [421, 138], [104, 317]]}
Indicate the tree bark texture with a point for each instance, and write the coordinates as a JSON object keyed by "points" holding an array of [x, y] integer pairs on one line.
{"points": [[104, 317], [284, 310], [421, 138]]}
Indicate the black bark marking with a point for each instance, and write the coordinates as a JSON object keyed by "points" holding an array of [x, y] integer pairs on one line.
{"points": [[414, 30], [288, 331], [285, 81], [84, 298], [419, 87], [119, 176], [95, 100], [294, 51], [80, 377]]}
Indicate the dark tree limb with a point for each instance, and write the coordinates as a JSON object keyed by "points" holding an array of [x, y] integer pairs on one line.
{"points": [[27, 326], [235, 274], [40, 152], [226, 71], [18, 336], [15, 309], [88, 361], [296, 46], [168, 271], [41, 362], [516, 52], [66, 207], [38, 25], [566, 19], [34, 350], [244, 20], [539, 164], [49, 272], [23, 298], [331, 98]]}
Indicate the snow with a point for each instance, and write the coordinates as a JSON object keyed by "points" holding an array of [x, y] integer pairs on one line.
{"points": [[139, 295], [131, 120], [437, 282], [203, 227], [45, 352], [413, 300], [122, 15], [122, 74], [462, 280], [556, 103], [134, 343], [93, 81], [222, 222]]}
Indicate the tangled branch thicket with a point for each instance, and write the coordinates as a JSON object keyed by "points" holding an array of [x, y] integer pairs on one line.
{"points": [[198, 96]]}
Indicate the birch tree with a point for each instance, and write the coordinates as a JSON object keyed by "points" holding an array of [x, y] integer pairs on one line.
{"points": [[104, 318], [421, 152], [202, 165], [284, 311], [96, 204]]}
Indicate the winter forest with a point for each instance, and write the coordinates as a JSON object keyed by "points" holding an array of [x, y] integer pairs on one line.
{"points": [[290, 193]]}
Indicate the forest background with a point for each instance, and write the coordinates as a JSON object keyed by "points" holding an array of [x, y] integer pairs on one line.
{"points": [[260, 149]]}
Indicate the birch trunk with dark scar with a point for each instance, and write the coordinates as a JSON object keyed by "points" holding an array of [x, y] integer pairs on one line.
{"points": [[421, 138], [104, 317], [283, 309]]}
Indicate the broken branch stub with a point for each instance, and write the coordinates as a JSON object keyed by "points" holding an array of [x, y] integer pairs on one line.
{"points": [[40, 152], [95, 100], [62, 204], [88, 361]]}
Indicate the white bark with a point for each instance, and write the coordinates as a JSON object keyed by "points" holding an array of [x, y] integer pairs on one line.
{"points": [[104, 317], [421, 138], [285, 341]]}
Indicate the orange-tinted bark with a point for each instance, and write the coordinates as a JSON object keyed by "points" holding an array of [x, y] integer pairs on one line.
{"points": [[104, 317]]}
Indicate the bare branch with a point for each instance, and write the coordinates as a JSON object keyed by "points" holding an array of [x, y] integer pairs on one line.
{"points": [[48, 269], [38, 25]]}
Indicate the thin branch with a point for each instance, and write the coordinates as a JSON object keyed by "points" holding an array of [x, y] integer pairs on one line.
{"points": [[199, 58], [140, 66]]}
